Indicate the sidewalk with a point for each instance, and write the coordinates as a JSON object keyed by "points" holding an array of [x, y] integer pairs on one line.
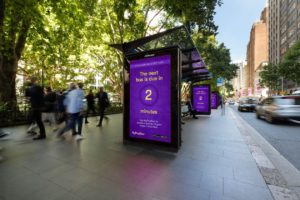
{"points": [[214, 163]]}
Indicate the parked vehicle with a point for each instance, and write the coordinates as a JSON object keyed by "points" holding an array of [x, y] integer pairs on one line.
{"points": [[279, 108], [247, 104]]}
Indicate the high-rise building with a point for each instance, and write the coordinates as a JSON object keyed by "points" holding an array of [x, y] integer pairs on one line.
{"points": [[274, 32], [284, 30], [238, 82], [257, 50]]}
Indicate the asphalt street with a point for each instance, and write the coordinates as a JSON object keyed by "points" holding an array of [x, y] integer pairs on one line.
{"points": [[283, 136]]}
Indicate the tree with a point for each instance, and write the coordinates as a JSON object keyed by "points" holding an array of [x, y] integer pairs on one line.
{"points": [[217, 58], [193, 13], [289, 67], [269, 77], [64, 38], [22, 18]]}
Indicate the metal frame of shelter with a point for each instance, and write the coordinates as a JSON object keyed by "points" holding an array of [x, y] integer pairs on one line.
{"points": [[189, 65], [193, 67]]}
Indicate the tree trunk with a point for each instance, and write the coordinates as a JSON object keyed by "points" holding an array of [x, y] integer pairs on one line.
{"points": [[8, 80]]}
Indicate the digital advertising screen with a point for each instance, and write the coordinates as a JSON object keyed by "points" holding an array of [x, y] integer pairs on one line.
{"points": [[214, 100], [150, 98], [201, 99]]}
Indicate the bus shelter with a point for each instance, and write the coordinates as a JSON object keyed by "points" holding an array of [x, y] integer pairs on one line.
{"points": [[154, 69]]}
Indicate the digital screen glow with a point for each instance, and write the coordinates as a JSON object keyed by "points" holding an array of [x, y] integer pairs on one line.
{"points": [[214, 100], [201, 98], [150, 98]]}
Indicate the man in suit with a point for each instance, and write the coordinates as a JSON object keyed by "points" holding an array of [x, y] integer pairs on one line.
{"points": [[90, 99], [36, 98], [103, 103]]}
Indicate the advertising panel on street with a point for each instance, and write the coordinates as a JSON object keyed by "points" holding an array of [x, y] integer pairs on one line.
{"points": [[150, 99], [201, 99], [214, 100]]}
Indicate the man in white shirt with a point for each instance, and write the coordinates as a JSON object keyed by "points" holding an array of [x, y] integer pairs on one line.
{"points": [[75, 110]]}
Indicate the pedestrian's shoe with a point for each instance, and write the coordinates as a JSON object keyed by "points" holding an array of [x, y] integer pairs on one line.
{"points": [[40, 137], [79, 137], [195, 117], [74, 133], [99, 125], [86, 122], [31, 133]]}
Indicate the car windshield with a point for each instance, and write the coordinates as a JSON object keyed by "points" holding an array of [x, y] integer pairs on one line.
{"points": [[288, 101]]}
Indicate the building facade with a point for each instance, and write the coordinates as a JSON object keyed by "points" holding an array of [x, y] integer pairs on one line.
{"points": [[274, 31], [284, 31], [257, 51], [239, 83]]}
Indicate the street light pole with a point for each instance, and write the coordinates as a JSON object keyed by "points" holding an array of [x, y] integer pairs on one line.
{"points": [[281, 85], [223, 99]]}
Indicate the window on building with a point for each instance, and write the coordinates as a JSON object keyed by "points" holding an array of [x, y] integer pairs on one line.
{"points": [[283, 39], [292, 42], [291, 32], [283, 28]]}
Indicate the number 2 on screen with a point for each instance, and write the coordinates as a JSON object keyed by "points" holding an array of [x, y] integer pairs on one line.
{"points": [[148, 94]]}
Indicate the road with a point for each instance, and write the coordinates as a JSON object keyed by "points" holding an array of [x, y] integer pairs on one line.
{"points": [[283, 136]]}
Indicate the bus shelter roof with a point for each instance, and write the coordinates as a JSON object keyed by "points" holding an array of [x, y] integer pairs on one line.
{"points": [[193, 66]]}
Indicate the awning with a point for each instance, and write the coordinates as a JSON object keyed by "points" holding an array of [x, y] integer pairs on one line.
{"points": [[193, 66]]}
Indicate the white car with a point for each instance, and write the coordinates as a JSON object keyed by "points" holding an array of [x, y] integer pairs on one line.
{"points": [[297, 92], [280, 107]]}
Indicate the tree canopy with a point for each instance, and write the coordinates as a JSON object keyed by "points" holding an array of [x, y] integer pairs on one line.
{"points": [[269, 77], [289, 67], [67, 40]]}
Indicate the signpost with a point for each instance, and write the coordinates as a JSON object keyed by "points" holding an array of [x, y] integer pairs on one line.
{"points": [[220, 82]]}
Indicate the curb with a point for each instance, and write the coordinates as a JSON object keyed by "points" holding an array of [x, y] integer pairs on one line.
{"points": [[281, 177]]}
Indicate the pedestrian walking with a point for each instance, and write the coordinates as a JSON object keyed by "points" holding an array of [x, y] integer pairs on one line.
{"points": [[36, 97], [75, 111], [90, 99], [50, 101], [191, 108], [103, 103]]}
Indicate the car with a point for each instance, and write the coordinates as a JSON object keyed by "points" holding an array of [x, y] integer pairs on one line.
{"points": [[247, 104], [231, 102], [297, 92], [279, 108]]}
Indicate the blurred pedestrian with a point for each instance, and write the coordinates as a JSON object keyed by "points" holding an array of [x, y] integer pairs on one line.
{"points": [[191, 108], [36, 96], [75, 111], [103, 103], [50, 101], [90, 99]]}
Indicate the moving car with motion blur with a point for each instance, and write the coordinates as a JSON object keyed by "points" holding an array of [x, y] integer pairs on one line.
{"points": [[247, 104], [279, 108]]}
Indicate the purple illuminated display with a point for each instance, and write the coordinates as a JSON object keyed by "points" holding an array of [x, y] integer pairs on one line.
{"points": [[214, 100], [201, 98], [150, 102]]}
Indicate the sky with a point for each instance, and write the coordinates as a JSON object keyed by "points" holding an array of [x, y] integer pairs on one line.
{"points": [[234, 19]]}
